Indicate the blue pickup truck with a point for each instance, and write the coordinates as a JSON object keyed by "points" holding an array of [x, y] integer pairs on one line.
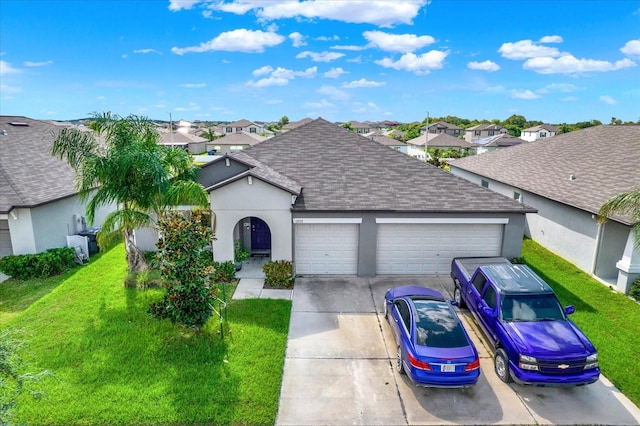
{"points": [[535, 343]]}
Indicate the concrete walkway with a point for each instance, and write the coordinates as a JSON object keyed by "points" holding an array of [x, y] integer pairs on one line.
{"points": [[252, 288]]}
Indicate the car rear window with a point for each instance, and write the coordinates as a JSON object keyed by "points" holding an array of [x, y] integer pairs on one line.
{"points": [[437, 326]]}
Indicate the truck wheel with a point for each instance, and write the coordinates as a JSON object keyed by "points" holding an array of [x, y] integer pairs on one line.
{"points": [[501, 363], [457, 297]]}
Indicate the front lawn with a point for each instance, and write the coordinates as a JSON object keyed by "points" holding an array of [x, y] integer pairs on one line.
{"points": [[114, 364], [611, 320]]}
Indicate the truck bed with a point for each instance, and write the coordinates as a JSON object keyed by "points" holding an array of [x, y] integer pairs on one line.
{"points": [[468, 265]]}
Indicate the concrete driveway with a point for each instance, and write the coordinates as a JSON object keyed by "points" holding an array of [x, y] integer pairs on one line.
{"points": [[339, 370]]}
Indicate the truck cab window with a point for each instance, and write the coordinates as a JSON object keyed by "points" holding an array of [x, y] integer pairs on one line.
{"points": [[478, 282]]}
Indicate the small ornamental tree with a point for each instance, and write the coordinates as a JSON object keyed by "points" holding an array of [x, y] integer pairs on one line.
{"points": [[188, 300]]}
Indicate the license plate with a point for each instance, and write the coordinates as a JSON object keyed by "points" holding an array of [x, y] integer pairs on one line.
{"points": [[447, 368]]}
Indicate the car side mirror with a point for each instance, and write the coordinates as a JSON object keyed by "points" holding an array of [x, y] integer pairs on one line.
{"points": [[568, 310], [488, 311]]}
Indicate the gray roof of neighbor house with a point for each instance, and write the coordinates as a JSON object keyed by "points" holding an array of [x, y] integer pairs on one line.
{"points": [[484, 126], [548, 127], [340, 170], [502, 140], [295, 124], [239, 138], [168, 138], [29, 175], [604, 162], [440, 140]]}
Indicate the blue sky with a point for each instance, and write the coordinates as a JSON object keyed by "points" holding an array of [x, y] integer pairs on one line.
{"points": [[554, 61]]}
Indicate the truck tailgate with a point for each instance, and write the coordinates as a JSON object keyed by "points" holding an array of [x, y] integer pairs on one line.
{"points": [[468, 265]]}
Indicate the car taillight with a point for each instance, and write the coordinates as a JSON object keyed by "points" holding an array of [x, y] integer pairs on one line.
{"points": [[473, 365], [418, 364]]}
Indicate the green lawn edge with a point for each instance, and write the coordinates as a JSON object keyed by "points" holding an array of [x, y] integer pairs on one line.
{"points": [[611, 320]]}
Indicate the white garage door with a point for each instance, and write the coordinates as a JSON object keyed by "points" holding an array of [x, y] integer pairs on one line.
{"points": [[5, 239], [326, 248], [418, 248]]}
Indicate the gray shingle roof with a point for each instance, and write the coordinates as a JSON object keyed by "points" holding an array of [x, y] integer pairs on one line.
{"points": [[440, 140], [605, 161], [342, 171], [29, 175], [239, 138]]}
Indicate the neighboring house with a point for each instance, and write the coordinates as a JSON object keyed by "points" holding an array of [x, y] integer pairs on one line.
{"points": [[482, 131], [443, 142], [538, 132], [494, 143], [381, 138], [39, 205], [568, 179], [443, 128], [360, 128], [295, 124], [242, 126], [234, 142], [191, 143], [298, 197]]}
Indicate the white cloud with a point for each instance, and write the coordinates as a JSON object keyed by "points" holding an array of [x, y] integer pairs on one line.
{"points": [[607, 100], [403, 43], [382, 13], [363, 83], [241, 40], [176, 5], [569, 64], [495, 89], [297, 39], [335, 73], [525, 49], [483, 66], [551, 39], [194, 85], [631, 48], [524, 94], [559, 87], [333, 93], [421, 64], [279, 76], [6, 68], [192, 106], [145, 51], [320, 57], [328, 38], [37, 64], [322, 104], [348, 47], [262, 71]]}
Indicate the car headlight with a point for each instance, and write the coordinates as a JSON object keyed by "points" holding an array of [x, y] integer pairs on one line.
{"points": [[528, 363], [591, 361]]}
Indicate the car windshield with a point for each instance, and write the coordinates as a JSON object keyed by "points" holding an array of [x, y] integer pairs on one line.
{"points": [[436, 325], [531, 307]]}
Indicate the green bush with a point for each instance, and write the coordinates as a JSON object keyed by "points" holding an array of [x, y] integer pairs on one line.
{"points": [[224, 272], [634, 291], [46, 264], [517, 260], [279, 273]]}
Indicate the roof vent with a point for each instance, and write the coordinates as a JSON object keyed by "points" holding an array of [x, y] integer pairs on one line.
{"points": [[572, 177], [3, 132], [19, 124]]}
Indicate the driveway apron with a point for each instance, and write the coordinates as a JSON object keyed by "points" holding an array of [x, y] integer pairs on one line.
{"points": [[339, 370]]}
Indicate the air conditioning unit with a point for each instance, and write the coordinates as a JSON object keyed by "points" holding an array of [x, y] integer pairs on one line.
{"points": [[79, 223]]}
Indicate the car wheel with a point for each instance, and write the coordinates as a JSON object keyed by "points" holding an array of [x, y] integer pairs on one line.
{"points": [[501, 363], [457, 297], [399, 364], [386, 311]]}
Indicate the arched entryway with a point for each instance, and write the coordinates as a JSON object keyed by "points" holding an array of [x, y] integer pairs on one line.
{"points": [[253, 235]]}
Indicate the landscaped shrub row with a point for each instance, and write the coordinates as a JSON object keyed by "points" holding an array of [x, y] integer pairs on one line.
{"points": [[279, 273], [48, 263]]}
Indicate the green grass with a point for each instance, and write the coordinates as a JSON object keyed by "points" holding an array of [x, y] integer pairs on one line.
{"points": [[115, 364], [611, 320]]}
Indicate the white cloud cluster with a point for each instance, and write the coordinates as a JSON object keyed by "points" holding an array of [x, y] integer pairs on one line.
{"points": [[418, 64], [403, 43], [606, 99], [483, 66], [383, 13], [631, 48], [363, 82], [549, 60], [194, 85], [298, 39], [37, 64], [6, 68], [279, 76], [320, 56], [335, 73], [146, 51], [240, 40]]}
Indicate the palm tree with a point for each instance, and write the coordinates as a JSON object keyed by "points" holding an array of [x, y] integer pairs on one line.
{"points": [[121, 162], [627, 204]]}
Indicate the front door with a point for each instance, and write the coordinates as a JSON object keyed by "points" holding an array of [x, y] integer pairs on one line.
{"points": [[260, 235]]}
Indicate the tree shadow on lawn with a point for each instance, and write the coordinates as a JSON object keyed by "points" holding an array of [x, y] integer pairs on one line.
{"points": [[566, 296]]}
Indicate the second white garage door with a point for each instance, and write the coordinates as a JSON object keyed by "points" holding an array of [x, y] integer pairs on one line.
{"points": [[418, 248], [326, 248]]}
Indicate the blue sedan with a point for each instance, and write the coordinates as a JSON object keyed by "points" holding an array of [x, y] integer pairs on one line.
{"points": [[433, 348]]}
